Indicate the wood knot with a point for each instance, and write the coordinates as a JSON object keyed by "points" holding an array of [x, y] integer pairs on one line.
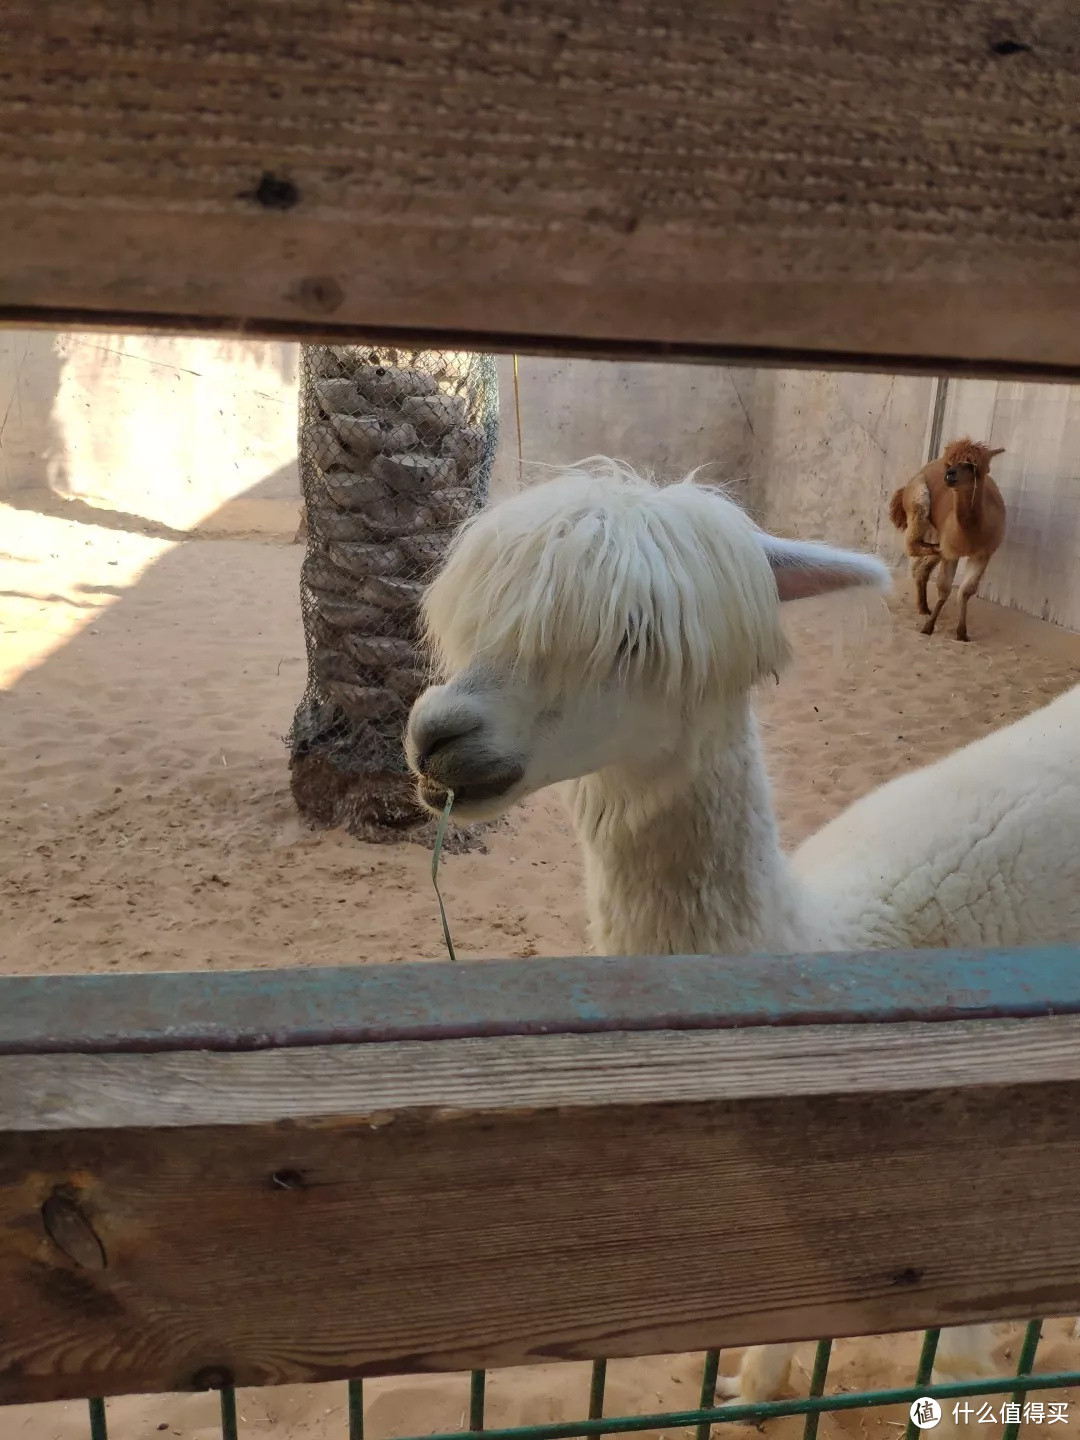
{"points": [[71, 1232], [319, 293], [910, 1276], [212, 1377], [274, 193], [288, 1180]]}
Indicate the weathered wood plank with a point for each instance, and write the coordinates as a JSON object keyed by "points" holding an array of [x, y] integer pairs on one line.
{"points": [[894, 183], [493, 1076], [176, 1220], [342, 1005]]}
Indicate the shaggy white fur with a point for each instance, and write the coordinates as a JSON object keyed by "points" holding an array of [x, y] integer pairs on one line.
{"points": [[601, 630], [597, 573], [981, 848]]}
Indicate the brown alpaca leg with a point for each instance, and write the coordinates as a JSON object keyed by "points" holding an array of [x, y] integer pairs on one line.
{"points": [[974, 570], [945, 577], [921, 570]]}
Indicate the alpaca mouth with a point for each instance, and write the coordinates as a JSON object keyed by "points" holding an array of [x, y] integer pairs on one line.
{"points": [[480, 793]]}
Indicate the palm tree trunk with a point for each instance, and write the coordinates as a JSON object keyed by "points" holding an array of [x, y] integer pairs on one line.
{"points": [[396, 449]]}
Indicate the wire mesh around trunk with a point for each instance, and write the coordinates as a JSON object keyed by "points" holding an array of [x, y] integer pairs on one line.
{"points": [[396, 449]]}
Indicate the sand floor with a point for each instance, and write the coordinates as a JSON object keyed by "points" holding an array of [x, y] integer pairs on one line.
{"points": [[145, 822]]}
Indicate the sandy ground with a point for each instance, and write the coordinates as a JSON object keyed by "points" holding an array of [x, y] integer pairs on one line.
{"points": [[145, 822]]}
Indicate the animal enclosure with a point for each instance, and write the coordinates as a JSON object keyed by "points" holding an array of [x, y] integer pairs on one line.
{"points": [[156, 835]]}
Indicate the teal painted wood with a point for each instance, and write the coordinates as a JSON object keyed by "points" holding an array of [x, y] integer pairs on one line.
{"points": [[261, 1009]]}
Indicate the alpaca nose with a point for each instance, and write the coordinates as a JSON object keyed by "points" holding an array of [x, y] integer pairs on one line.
{"points": [[451, 749], [433, 731], [434, 741]]}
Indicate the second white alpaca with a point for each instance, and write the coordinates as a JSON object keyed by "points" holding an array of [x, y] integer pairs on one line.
{"points": [[603, 631]]}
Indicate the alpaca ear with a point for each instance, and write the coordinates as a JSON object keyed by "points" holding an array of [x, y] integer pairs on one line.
{"points": [[999, 451], [802, 569]]}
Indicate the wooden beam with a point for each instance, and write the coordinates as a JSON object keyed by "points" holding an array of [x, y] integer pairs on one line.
{"points": [[259, 1009], [893, 184], [178, 1218], [61, 1093]]}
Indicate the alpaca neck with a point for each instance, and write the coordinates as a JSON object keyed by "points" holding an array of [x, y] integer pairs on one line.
{"points": [[688, 860], [966, 507]]}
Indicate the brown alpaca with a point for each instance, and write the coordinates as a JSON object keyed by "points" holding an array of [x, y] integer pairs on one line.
{"points": [[956, 496]]}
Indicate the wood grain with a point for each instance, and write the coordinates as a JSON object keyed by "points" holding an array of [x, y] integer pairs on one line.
{"points": [[893, 183], [494, 1076], [175, 1220]]}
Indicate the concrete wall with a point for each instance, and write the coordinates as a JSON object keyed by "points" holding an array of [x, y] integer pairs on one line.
{"points": [[660, 418], [829, 449], [190, 432], [187, 432], [181, 433], [1038, 568], [158, 428], [810, 453]]}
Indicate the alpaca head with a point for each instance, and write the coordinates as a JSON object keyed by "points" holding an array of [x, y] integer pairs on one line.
{"points": [[601, 620], [966, 461]]}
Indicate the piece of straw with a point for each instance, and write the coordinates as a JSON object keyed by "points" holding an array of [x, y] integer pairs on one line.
{"points": [[440, 836]]}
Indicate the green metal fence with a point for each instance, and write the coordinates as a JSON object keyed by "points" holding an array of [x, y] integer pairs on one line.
{"points": [[1017, 1409]]}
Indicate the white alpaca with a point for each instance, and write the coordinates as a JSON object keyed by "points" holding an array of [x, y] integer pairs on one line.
{"points": [[600, 630]]}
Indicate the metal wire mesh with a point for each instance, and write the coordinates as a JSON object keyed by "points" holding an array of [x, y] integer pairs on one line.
{"points": [[396, 449], [1010, 1414]]}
